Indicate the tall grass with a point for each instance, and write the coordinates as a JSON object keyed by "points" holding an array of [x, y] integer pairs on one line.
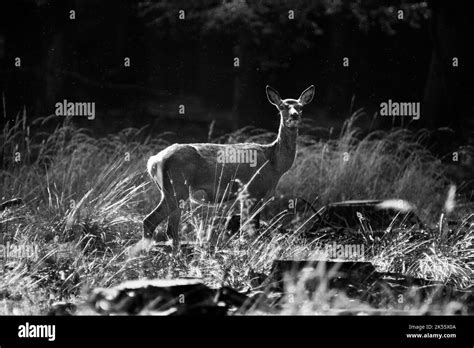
{"points": [[379, 165], [85, 198]]}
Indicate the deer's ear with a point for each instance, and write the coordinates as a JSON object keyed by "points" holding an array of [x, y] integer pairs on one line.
{"points": [[273, 96], [307, 95]]}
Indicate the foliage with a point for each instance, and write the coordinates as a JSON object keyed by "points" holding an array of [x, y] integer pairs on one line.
{"points": [[270, 24]]}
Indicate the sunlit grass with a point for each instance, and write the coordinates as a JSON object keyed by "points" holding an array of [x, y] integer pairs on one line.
{"points": [[85, 199]]}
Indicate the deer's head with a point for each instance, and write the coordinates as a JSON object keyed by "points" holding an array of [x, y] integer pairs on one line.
{"points": [[290, 109]]}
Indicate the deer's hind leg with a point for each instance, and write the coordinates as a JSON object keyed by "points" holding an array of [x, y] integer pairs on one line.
{"points": [[169, 207], [173, 226], [153, 219]]}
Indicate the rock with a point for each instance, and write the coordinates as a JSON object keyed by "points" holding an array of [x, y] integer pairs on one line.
{"points": [[424, 290], [165, 297], [348, 217], [339, 273], [231, 297], [360, 280], [62, 308], [159, 295]]}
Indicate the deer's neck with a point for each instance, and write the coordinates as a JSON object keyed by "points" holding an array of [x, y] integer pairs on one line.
{"points": [[284, 147]]}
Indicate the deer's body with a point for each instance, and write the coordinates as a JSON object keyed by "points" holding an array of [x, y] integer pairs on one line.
{"points": [[182, 170]]}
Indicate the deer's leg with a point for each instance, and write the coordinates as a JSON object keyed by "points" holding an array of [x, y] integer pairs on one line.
{"points": [[153, 220], [178, 194], [173, 226], [162, 211]]}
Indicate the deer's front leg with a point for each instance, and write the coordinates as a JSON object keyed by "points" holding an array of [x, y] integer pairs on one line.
{"points": [[173, 226]]}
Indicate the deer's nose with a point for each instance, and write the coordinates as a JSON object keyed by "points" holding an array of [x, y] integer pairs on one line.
{"points": [[294, 114]]}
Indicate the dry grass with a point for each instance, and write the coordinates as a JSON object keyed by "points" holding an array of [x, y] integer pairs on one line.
{"points": [[85, 199]]}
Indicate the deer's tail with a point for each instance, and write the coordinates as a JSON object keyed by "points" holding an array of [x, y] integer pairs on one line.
{"points": [[155, 170]]}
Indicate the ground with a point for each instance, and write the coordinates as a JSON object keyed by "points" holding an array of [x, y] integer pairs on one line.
{"points": [[85, 198]]}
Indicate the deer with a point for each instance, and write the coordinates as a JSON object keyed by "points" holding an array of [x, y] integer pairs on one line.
{"points": [[184, 171]]}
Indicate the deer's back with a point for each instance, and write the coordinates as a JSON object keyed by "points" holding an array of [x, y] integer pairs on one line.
{"points": [[213, 168]]}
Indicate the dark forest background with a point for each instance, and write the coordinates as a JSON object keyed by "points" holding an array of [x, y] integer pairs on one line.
{"points": [[190, 62]]}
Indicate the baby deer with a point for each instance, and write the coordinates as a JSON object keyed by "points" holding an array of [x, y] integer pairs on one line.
{"points": [[209, 170]]}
